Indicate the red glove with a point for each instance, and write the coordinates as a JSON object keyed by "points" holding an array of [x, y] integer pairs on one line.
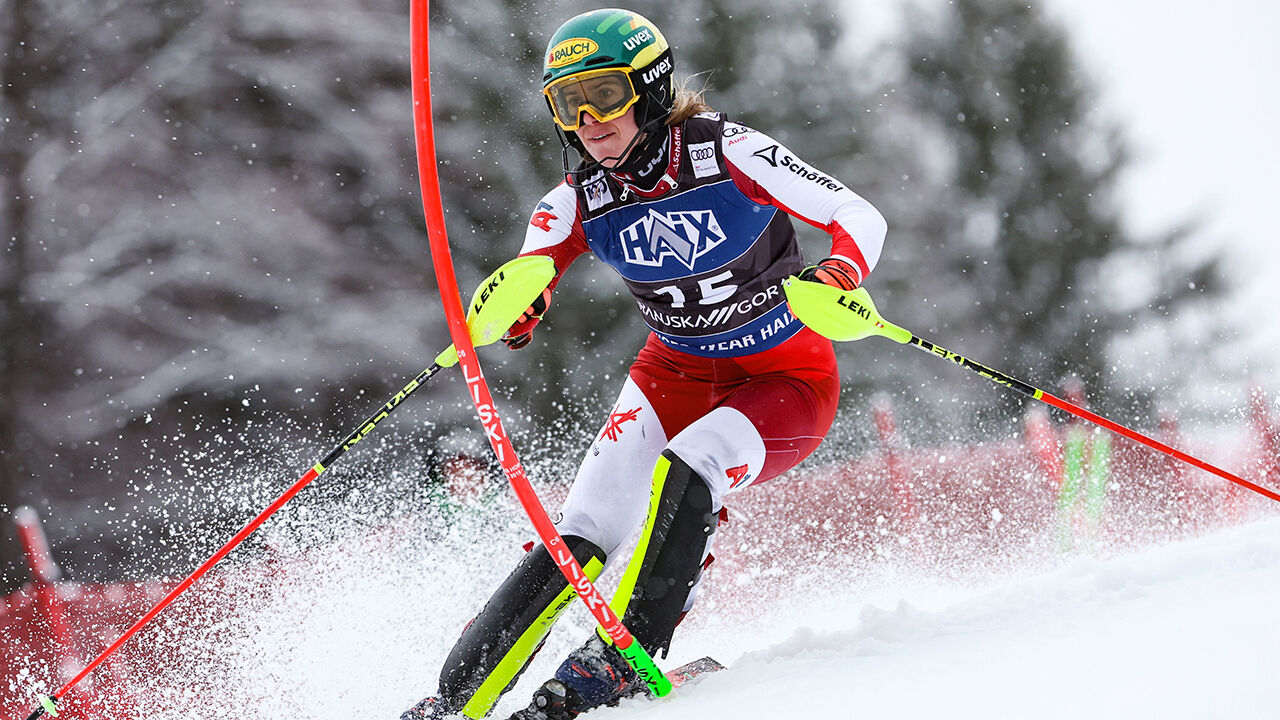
{"points": [[519, 334], [832, 271]]}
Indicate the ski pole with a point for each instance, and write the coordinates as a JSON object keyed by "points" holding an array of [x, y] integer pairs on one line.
{"points": [[420, 61], [497, 304], [851, 315]]}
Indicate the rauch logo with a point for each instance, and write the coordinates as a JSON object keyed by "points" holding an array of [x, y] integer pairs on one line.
{"points": [[570, 51], [685, 235]]}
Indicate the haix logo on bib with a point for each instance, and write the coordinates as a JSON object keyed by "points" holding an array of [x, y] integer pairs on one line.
{"points": [[684, 234], [570, 51]]}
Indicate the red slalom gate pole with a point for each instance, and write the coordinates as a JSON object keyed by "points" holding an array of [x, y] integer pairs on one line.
{"points": [[44, 578], [1152, 443], [488, 314], [478, 389], [48, 702], [849, 315]]}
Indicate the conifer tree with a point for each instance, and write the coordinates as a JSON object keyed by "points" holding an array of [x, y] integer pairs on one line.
{"points": [[1008, 224]]}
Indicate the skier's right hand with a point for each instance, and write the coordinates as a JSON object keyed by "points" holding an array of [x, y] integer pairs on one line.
{"points": [[832, 271], [519, 334]]}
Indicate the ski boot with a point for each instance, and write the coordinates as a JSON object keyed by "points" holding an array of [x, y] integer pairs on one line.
{"points": [[593, 675], [430, 708]]}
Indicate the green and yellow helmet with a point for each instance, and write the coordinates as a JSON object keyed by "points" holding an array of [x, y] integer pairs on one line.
{"points": [[603, 62]]}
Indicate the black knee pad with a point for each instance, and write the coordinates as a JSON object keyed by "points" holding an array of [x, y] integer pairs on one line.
{"points": [[680, 525], [498, 644]]}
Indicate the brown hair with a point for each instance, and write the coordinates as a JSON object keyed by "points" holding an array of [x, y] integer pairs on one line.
{"points": [[687, 102]]}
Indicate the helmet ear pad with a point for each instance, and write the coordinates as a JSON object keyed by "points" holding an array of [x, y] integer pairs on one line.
{"points": [[655, 85]]}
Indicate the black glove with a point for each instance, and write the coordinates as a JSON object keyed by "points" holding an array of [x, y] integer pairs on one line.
{"points": [[832, 271], [520, 333]]}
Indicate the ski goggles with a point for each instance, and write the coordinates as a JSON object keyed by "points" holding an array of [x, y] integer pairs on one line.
{"points": [[607, 94]]}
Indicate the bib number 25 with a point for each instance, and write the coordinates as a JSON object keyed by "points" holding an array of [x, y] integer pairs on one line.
{"points": [[710, 290]]}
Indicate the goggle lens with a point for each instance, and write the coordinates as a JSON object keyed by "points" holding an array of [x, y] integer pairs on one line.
{"points": [[606, 94]]}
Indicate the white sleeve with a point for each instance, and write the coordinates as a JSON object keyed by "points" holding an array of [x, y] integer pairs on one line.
{"points": [[553, 221], [770, 173]]}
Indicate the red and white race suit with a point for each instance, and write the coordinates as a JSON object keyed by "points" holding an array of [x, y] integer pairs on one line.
{"points": [[729, 380]]}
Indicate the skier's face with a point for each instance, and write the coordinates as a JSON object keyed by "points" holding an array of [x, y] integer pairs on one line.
{"points": [[608, 140]]}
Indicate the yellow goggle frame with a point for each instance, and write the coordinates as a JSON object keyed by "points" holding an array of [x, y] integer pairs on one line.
{"points": [[606, 93]]}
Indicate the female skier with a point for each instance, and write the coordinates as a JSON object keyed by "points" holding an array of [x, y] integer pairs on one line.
{"points": [[730, 390]]}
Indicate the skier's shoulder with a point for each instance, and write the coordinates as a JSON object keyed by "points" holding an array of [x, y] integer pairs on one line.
{"points": [[708, 119], [739, 140], [703, 127], [554, 218], [561, 196]]}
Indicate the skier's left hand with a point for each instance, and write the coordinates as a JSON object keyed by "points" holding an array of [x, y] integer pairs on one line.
{"points": [[520, 333], [832, 271]]}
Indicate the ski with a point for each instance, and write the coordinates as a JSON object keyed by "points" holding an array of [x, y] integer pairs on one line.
{"points": [[687, 674], [692, 671]]}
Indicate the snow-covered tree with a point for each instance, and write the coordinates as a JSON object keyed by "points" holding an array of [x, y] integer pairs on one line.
{"points": [[1004, 212], [213, 221], [213, 212]]}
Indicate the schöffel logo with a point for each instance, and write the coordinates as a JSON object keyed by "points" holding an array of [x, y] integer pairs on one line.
{"points": [[570, 51], [684, 234], [772, 156]]}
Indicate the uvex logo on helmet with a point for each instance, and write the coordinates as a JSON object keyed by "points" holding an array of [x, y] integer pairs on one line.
{"points": [[570, 51], [654, 73]]}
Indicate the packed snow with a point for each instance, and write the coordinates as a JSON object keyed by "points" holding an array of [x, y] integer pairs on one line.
{"points": [[359, 627], [1179, 631]]}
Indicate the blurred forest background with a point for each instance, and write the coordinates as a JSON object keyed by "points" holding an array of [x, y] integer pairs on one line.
{"points": [[215, 262]]}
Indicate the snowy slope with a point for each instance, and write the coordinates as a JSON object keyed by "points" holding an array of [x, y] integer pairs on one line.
{"points": [[358, 628], [1182, 631]]}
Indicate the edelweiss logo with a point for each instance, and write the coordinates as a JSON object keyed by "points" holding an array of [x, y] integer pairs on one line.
{"points": [[686, 235]]}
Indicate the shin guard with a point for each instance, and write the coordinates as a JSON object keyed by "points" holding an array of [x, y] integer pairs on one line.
{"points": [[497, 645], [668, 560]]}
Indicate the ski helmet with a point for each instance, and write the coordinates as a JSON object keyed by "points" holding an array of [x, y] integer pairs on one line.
{"points": [[604, 62]]}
